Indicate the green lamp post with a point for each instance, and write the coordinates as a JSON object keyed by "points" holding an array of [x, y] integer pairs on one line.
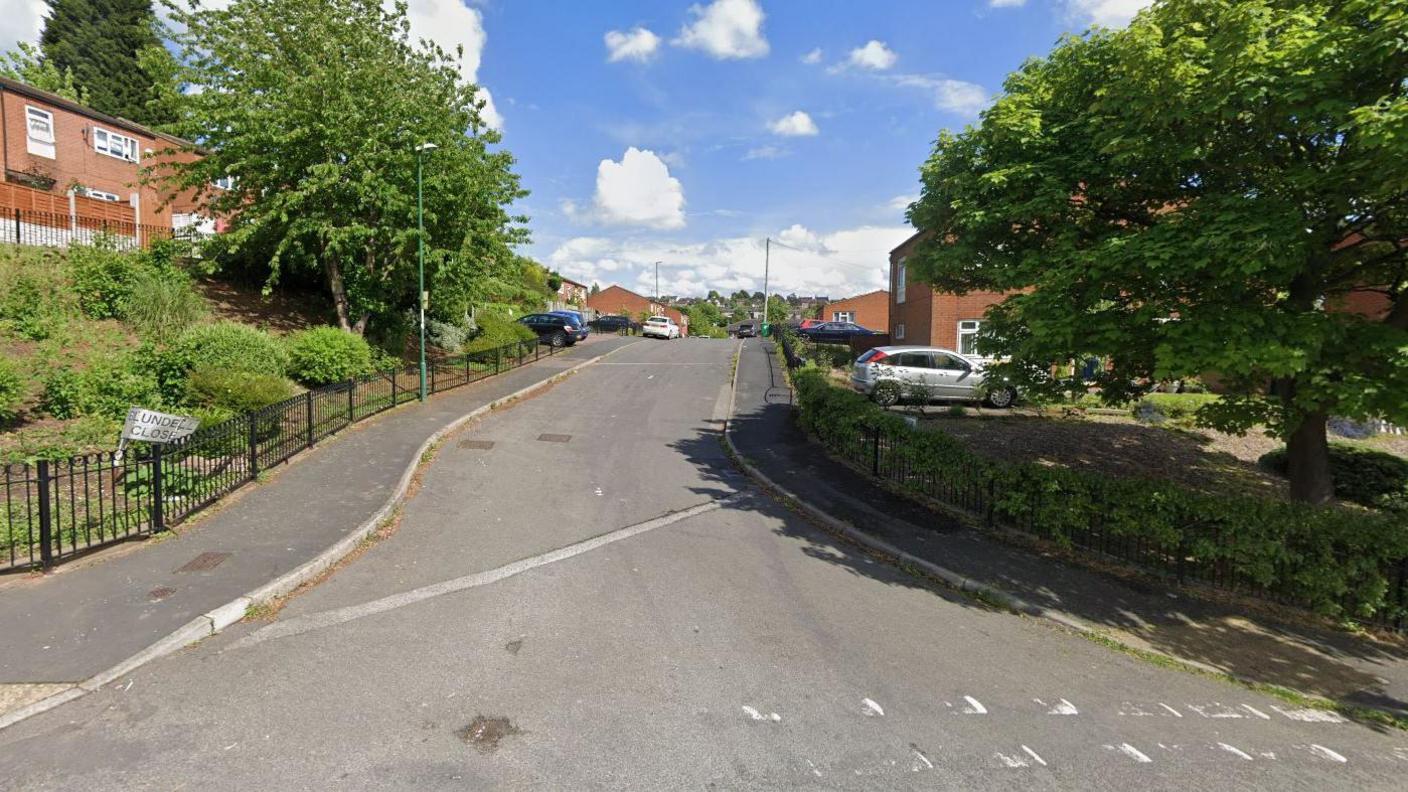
{"points": [[420, 243]]}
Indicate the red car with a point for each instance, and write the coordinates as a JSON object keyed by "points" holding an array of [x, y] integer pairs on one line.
{"points": [[808, 324]]}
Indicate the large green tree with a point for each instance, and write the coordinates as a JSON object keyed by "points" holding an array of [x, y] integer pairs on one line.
{"points": [[28, 65], [109, 46], [311, 112], [1204, 191]]}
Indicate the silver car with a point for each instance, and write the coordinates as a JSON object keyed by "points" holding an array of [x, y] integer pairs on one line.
{"points": [[891, 373]]}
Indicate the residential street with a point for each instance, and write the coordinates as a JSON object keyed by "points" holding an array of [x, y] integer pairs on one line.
{"points": [[590, 566]]}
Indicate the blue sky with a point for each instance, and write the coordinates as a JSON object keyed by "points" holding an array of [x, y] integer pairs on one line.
{"points": [[688, 132]]}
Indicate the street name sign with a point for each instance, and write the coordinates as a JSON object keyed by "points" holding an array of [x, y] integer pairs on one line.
{"points": [[156, 427]]}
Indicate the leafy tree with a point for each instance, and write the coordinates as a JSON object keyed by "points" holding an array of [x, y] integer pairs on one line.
{"points": [[740, 296], [777, 310], [596, 288], [102, 43], [315, 108], [757, 295], [704, 318], [713, 296], [1201, 192], [28, 65]]}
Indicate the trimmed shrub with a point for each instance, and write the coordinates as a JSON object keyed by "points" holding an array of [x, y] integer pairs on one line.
{"points": [[11, 391], [324, 355], [227, 345], [1362, 475], [1332, 560], [497, 331], [236, 391], [163, 304]]}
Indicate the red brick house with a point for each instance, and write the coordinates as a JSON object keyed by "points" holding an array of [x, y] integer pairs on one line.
{"points": [[921, 316], [617, 301], [572, 292], [871, 310], [64, 159]]}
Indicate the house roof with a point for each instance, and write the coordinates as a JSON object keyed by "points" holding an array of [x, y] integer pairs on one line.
{"points": [[858, 296], [23, 89], [566, 279], [911, 238]]}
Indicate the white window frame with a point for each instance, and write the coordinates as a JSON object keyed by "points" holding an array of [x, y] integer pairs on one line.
{"points": [[969, 328], [116, 145], [899, 331], [843, 316], [224, 183], [40, 144], [900, 277], [101, 195]]}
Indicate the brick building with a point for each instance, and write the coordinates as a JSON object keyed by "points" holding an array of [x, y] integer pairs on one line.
{"points": [[871, 310], [921, 316], [63, 158], [572, 292], [617, 301]]}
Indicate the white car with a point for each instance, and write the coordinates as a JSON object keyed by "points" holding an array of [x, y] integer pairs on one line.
{"points": [[660, 327], [890, 373]]}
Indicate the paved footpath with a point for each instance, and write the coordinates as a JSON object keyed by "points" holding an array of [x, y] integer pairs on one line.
{"points": [[1333, 665], [88, 616], [586, 595]]}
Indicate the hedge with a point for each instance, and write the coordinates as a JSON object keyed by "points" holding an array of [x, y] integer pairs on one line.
{"points": [[1333, 560], [1362, 475]]}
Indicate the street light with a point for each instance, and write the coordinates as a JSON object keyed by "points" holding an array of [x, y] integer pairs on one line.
{"points": [[420, 244]]}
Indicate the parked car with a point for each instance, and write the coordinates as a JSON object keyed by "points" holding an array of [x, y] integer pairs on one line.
{"points": [[552, 329], [747, 330], [582, 329], [807, 324], [835, 332], [891, 373], [615, 324], [661, 327]]}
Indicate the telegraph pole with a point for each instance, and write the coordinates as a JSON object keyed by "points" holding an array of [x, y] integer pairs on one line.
{"points": [[767, 262], [657, 281]]}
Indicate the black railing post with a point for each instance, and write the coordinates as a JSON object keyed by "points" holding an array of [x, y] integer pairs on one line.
{"points": [[308, 414], [46, 516], [393, 386], [253, 445], [158, 507], [351, 395], [498, 352], [466, 368], [875, 457], [17, 226]]}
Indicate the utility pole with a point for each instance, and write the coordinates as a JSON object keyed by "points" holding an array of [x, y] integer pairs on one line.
{"points": [[657, 281], [420, 254], [767, 262]]}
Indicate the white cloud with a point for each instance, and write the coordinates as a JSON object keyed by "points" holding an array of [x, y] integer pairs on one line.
{"points": [[638, 190], [637, 44], [726, 29], [1007, 3], [955, 96], [765, 153], [874, 56], [452, 25], [1109, 13], [21, 22], [812, 57], [837, 264], [901, 202], [795, 124]]}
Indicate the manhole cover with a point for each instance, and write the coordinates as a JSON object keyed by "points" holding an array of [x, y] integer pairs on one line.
{"points": [[485, 733], [204, 562], [554, 438], [160, 593], [482, 445]]}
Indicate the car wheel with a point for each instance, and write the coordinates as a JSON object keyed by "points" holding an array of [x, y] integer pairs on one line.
{"points": [[1001, 398], [886, 394], [558, 339]]}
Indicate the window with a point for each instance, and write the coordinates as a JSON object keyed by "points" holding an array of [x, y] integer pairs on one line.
{"points": [[899, 280], [843, 316], [899, 331], [225, 182], [950, 363], [114, 145], [40, 126], [100, 195], [968, 336], [913, 360]]}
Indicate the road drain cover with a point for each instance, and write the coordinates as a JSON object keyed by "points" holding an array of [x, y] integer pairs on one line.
{"points": [[485, 733], [204, 562], [160, 593], [554, 438], [481, 445]]}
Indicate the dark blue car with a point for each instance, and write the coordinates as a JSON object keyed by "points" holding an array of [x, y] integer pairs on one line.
{"points": [[577, 319]]}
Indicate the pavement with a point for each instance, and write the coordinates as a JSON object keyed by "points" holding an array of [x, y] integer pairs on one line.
{"points": [[90, 615], [586, 594], [1225, 638]]}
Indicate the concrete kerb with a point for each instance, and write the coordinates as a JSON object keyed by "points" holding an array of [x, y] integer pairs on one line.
{"points": [[214, 621]]}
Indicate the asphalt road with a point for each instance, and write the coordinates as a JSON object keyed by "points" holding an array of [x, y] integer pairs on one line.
{"points": [[643, 618]]}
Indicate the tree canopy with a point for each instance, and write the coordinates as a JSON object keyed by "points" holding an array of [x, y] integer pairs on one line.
{"points": [[28, 65], [112, 50], [1205, 191], [311, 112]]}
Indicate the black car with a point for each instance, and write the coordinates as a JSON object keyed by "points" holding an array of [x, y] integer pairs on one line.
{"points": [[747, 330], [835, 332], [615, 324], [553, 329]]}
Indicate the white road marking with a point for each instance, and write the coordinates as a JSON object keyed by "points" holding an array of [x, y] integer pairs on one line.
{"points": [[1311, 715], [1033, 755], [1215, 710], [318, 621], [871, 709], [1325, 753], [974, 707], [1256, 712], [1235, 751], [921, 761], [1063, 707], [1011, 761], [1131, 752], [758, 716], [1175, 712]]}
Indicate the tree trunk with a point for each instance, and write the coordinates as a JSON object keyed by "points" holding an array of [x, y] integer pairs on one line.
{"points": [[1308, 460], [339, 293]]}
